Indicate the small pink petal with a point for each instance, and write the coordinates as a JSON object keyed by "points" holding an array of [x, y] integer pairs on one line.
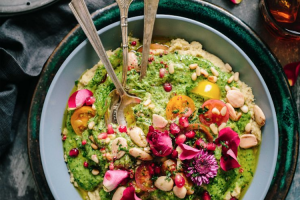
{"points": [[231, 153], [78, 98], [188, 152], [236, 1], [113, 178], [227, 134], [291, 71], [129, 194]]}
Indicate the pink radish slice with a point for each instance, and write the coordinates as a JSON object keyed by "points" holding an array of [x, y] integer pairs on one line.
{"points": [[113, 178], [78, 98]]}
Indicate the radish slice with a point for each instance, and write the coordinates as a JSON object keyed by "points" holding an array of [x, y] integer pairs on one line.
{"points": [[113, 178], [78, 98]]}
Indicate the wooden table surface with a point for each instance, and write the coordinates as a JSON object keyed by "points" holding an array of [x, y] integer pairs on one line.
{"points": [[16, 179]]}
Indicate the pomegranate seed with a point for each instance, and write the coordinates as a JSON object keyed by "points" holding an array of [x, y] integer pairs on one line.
{"points": [[162, 62], [184, 122], [201, 143], [73, 152], [205, 195], [64, 137], [180, 139], [85, 164], [232, 198], [174, 129], [157, 169], [123, 129], [211, 146], [111, 166], [162, 72], [151, 170], [110, 129], [102, 136], [150, 59], [241, 170], [179, 180], [83, 142], [167, 87], [133, 43], [130, 184], [190, 134], [90, 100], [130, 68], [174, 154]]}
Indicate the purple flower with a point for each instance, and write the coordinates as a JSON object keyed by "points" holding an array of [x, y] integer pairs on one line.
{"points": [[201, 168]]}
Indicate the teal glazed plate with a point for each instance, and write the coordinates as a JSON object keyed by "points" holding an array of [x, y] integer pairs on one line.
{"points": [[220, 33]]}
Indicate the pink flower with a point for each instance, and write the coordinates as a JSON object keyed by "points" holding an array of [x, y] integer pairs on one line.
{"points": [[78, 98], [129, 194], [230, 141], [113, 178], [160, 142], [187, 152]]}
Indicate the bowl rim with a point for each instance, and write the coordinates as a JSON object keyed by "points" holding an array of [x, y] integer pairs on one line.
{"points": [[46, 167], [288, 132]]}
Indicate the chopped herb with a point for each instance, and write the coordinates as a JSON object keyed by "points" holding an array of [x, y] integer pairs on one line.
{"points": [[76, 83], [175, 111], [185, 111], [224, 144], [202, 111], [169, 174], [154, 178]]}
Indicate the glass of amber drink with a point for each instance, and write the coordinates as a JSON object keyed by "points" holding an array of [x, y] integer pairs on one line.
{"points": [[282, 17]]}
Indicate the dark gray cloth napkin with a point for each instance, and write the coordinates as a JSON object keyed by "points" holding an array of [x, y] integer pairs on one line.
{"points": [[26, 42]]}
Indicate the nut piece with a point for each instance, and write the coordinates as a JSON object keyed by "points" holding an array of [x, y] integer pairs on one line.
{"points": [[95, 158], [159, 121], [214, 71], [227, 88], [119, 193], [95, 172], [215, 111], [238, 116], [212, 79], [204, 72], [194, 76], [147, 102], [214, 129], [231, 110], [228, 67], [235, 98], [140, 154], [198, 69], [259, 116], [91, 125], [171, 68], [138, 137], [244, 108], [179, 192], [248, 128], [224, 111], [95, 147], [248, 141], [223, 125], [119, 142], [193, 66], [230, 79], [164, 183], [236, 76]]}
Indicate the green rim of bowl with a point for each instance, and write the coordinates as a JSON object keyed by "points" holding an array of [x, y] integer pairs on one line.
{"points": [[227, 24]]}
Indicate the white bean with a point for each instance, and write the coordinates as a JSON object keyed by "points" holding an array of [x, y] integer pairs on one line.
{"points": [[164, 183], [248, 141], [179, 192], [116, 144], [235, 98], [140, 154], [138, 137]]}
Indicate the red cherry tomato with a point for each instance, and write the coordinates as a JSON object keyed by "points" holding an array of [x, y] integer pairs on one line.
{"points": [[143, 178], [208, 117]]}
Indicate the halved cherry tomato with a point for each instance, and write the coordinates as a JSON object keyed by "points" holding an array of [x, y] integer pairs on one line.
{"points": [[80, 118], [208, 118], [181, 106], [154, 46], [143, 177], [203, 129]]}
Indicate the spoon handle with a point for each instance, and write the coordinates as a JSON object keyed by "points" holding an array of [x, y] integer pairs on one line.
{"points": [[83, 17], [124, 6], [150, 9]]}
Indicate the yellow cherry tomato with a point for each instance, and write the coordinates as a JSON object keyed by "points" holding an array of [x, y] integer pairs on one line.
{"points": [[207, 89], [180, 106], [80, 118]]}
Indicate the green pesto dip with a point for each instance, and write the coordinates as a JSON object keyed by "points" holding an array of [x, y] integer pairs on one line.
{"points": [[83, 167]]}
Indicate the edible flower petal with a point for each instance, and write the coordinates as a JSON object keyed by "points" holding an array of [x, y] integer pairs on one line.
{"points": [[160, 142], [78, 98], [129, 194], [188, 152], [230, 141], [113, 178], [201, 167], [291, 71]]}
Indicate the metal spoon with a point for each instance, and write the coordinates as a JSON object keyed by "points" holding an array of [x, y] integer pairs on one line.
{"points": [[150, 9], [82, 15]]}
